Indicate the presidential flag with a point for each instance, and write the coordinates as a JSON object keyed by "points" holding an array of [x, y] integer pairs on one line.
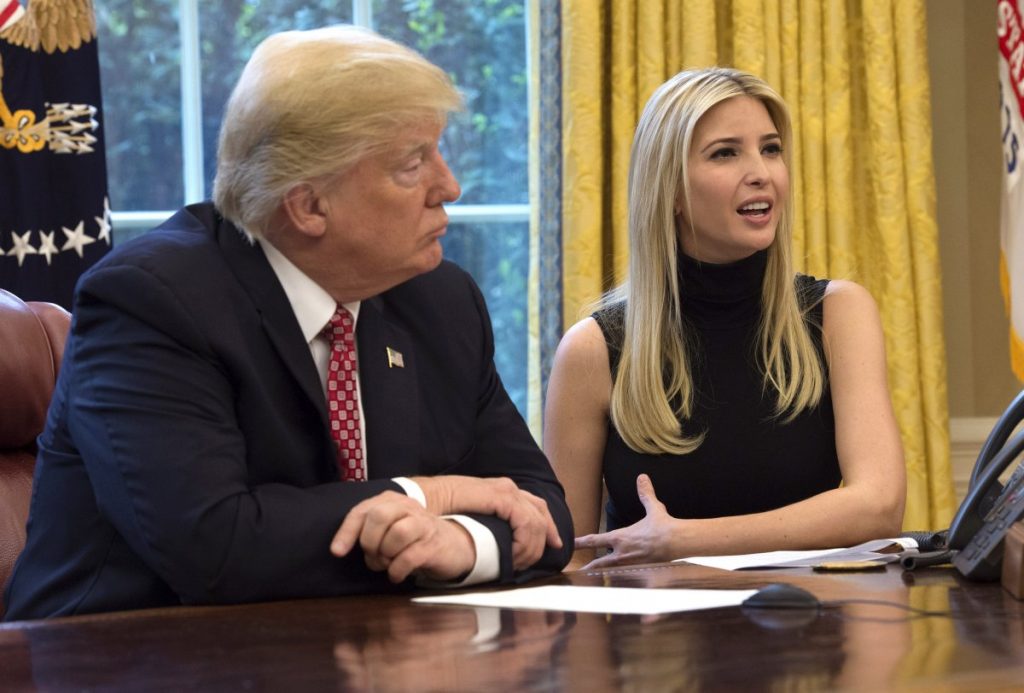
{"points": [[1011, 89], [54, 210]]}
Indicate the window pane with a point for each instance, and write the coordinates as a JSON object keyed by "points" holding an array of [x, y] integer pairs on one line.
{"points": [[504, 250], [482, 45], [229, 31], [140, 73]]}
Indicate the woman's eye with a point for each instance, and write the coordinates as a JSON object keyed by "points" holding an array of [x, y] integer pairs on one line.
{"points": [[772, 149], [723, 153]]}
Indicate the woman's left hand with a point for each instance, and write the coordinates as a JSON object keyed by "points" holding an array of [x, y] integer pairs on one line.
{"points": [[647, 541]]}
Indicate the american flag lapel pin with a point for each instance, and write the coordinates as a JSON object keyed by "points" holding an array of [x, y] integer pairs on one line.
{"points": [[395, 359]]}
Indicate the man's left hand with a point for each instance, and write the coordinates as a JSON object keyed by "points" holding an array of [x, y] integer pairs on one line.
{"points": [[398, 535], [532, 526]]}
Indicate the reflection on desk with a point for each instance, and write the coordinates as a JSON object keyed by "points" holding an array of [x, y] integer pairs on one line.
{"points": [[388, 643]]}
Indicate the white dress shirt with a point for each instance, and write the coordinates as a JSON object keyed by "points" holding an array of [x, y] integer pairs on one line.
{"points": [[313, 308]]}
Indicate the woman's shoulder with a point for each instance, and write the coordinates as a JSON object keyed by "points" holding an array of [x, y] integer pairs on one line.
{"points": [[583, 350], [849, 312], [818, 288], [585, 334], [845, 287], [844, 297]]}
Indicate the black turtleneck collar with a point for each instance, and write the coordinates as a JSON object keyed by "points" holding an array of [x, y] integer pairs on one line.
{"points": [[722, 295]]}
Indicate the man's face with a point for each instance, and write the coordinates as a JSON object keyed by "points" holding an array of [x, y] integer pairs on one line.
{"points": [[385, 215]]}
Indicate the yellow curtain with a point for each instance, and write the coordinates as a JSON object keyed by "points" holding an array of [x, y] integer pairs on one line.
{"points": [[855, 76]]}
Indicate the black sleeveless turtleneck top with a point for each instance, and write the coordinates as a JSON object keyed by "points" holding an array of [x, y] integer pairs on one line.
{"points": [[750, 461]]}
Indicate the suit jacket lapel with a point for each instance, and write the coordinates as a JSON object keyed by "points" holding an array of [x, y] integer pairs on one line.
{"points": [[254, 273], [390, 393]]}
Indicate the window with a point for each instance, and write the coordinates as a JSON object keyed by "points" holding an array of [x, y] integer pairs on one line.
{"points": [[168, 67]]}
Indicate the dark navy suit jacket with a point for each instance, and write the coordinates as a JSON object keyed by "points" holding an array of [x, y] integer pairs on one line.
{"points": [[186, 457]]}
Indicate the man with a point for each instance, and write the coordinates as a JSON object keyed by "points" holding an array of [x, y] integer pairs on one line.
{"points": [[213, 395]]}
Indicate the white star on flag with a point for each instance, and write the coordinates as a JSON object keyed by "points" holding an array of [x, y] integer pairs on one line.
{"points": [[47, 247], [21, 246], [104, 222], [77, 239]]}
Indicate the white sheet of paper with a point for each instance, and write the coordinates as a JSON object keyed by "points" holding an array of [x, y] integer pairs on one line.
{"points": [[755, 560], [597, 600], [866, 552]]}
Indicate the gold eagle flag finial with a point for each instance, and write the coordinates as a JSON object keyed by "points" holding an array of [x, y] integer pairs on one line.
{"points": [[49, 25]]}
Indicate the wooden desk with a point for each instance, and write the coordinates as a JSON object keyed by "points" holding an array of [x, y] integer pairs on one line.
{"points": [[388, 643]]}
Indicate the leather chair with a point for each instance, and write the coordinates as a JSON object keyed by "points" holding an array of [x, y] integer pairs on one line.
{"points": [[32, 337]]}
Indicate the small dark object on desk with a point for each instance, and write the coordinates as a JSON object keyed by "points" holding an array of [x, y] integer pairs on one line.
{"points": [[913, 561], [780, 595]]}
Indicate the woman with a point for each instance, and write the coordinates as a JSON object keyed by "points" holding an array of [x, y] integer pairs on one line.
{"points": [[755, 403]]}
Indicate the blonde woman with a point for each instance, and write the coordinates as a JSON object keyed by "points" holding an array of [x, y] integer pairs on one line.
{"points": [[727, 404]]}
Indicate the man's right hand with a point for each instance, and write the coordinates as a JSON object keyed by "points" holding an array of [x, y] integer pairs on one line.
{"points": [[529, 517]]}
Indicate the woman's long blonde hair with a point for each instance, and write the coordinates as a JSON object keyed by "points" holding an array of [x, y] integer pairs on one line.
{"points": [[653, 388]]}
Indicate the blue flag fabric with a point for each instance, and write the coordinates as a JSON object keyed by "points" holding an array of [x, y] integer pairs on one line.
{"points": [[54, 209]]}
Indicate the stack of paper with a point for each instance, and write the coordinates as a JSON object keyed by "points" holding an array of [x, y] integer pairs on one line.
{"points": [[871, 552]]}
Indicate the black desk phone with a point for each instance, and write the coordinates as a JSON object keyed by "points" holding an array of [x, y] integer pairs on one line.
{"points": [[979, 528]]}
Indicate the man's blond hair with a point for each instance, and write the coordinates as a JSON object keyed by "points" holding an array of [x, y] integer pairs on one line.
{"points": [[309, 105]]}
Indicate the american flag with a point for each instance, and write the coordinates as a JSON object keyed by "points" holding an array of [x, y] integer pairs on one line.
{"points": [[54, 209]]}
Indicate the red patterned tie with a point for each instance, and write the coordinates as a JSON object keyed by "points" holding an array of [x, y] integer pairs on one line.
{"points": [[342, 396]]}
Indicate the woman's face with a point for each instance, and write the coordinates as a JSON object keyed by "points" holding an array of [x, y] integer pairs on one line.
{"points": [[738, 183]]}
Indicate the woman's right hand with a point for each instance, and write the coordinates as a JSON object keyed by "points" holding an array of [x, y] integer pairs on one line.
{"points": [[651, 540]]}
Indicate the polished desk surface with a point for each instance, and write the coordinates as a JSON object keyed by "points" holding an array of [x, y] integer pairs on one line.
{"points": [[388, 643]]}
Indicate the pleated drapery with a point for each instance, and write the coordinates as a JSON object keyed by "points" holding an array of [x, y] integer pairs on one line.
{"points": [[855, 76]]}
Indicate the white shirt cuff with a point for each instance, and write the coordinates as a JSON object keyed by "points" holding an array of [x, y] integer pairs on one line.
{"points": [[486, 567], [412, 489]]}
